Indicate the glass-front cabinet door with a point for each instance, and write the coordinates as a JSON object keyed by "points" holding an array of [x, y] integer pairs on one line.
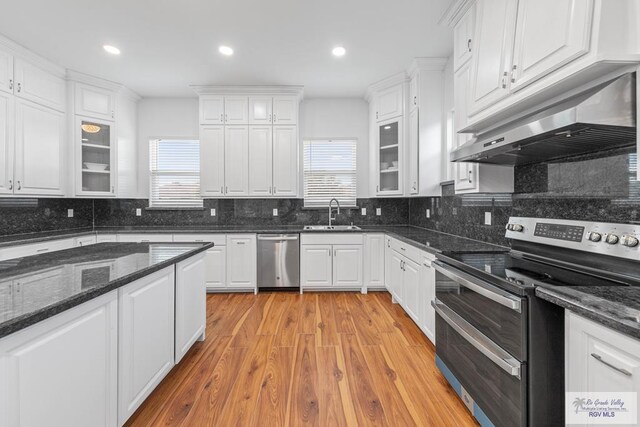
{"points": [[390, 157], [96, 154]]}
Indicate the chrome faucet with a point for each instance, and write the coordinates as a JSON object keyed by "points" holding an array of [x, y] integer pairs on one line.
{"points": [[331, 210]]}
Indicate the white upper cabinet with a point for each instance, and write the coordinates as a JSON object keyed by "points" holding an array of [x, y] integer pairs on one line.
{"points": [[6, 72], [6, 143], [414, 92], [390, 103], [96, 171], [260, 160], [212, 160], [39, 144], [94, 102], [40, 86], [285, 160], [236, 110], [211, 110], [495, 23], [285, 110], [236, 155], [414, 155], [260, 110], [463, 38], [546, 41]]}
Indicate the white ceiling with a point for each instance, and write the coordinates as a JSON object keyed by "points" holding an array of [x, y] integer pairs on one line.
{"points": [[168, 45]]}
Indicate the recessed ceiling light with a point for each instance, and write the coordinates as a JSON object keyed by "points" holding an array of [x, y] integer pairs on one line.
{"points": [[225, 50], [339, 51], [111, 49]]}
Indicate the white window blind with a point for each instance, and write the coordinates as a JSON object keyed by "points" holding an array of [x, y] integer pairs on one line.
{"points": [[329, 172], [175, 173]]}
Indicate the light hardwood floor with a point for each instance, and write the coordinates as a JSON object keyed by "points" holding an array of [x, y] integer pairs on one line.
{"points": [[325, 359]]}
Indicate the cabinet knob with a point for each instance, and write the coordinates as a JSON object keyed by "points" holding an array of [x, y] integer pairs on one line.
{"points": [[10, 84], [19, 87], [469, 45], [222, 117]]}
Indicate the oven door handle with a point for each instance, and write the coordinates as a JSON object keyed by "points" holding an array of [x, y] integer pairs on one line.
{"points": [[479, 287], [474, 337]]}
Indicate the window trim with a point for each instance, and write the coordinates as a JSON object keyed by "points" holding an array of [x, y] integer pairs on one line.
{"points": [[342, 138], [150, 139]]}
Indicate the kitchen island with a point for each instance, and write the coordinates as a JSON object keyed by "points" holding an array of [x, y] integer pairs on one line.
{"points": [[86, 334]]}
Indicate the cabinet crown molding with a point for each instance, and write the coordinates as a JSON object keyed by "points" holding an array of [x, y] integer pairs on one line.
{"points": [[427, 64], [78, 77], [398, 78], [249, 90], [24, 53], [454, 12]]}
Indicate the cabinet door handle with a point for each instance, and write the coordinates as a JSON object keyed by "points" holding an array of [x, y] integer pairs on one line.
{"points": [[42, 250], [377, 186], [601, 360], [221, 190], [226, 190], [270, 117], [226, 118], [504, 80], [513, 73], [19, 185], [10, 84], [19, 87], [469, 45], [240, 243], [470, 174], [274, 118], [113, 114], [10, 185], [376, 115], [221, 117], [113, 189]]}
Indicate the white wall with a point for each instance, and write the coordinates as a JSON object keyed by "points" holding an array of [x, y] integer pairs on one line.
{"points": [[163, 118], [339, 118]]}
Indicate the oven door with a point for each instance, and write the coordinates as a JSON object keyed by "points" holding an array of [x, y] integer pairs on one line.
{"points": [[496, 313], [492, 377]]}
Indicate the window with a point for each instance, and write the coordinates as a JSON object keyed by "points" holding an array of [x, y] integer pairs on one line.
{"points": [[174, 173], [329, 171]]}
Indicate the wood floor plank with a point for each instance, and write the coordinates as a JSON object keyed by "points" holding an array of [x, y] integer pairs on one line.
{"points": [[257, 367], [304, 409], [368, 406]]}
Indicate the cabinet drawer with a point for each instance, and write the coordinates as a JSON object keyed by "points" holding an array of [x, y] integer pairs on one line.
{"points": [[217, 239], [145, 237], [332, 238], [407, 250], [35, 249]]}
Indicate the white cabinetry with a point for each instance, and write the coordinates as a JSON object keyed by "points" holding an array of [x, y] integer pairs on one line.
{"points": [[463, 38], [389, 102], [39, 150], [6, 143], [253, 150], [64, 365], [216, 257], [331, 261], [145, 338], [374, 261], [413, 159], [426, 294], [92, 101], [191, 304], [38, 85], [6, 72], [599, 359], [242, 262]]}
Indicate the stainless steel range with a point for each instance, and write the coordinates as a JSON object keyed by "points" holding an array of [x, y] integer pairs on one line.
{"points": [[501, 347]]}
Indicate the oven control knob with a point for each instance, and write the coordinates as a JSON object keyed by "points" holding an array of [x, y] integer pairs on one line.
{"points": [[517, 227], [595, 236], [612, 239], [629, 241]]}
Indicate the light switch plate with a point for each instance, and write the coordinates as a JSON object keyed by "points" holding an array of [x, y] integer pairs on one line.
{"points": [[275, 211], [428, 213], [363, 211], [70, 213], [378, 211], [487, 218], [138, 212], [213, 212]]}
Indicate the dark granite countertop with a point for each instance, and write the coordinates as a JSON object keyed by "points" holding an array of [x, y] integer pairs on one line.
{"points": [[37, 287], [422, 238], [617, 307]]}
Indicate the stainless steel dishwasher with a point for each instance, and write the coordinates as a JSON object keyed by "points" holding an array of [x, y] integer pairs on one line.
{"points": [[278, 261]]}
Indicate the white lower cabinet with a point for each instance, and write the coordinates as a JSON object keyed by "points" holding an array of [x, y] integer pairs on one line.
{"points": [[20, 251], [63, 371], [426, 294], [410, 288], [215, 259], [396, 273], [599, 359], [145, 339], [388, 269], [144, 238], [374, 261], [331, 261], [191, 304], [242, 262]]}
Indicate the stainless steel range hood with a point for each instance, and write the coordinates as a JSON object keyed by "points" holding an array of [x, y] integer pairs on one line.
{"points": [[602, 118]]}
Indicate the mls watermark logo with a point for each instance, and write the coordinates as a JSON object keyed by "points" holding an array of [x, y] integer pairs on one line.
{"points": [[601, 408]]}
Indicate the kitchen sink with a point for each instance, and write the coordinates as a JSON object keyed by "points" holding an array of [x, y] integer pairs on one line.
{"points": [[332, 227]]}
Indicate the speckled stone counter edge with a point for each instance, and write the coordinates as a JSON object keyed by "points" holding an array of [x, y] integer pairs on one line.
{"points": [[22, 322]]}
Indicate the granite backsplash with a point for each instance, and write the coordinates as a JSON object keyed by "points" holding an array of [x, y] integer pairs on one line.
{"points": [[602, 188]]}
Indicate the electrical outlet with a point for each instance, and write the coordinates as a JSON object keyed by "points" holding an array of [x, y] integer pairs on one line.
{"points": [[138, 212], [378, 211], [455, 211], [487, 218], [213, 212], [275, 211], [428, 213], [70, 213], [363, 211]]}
